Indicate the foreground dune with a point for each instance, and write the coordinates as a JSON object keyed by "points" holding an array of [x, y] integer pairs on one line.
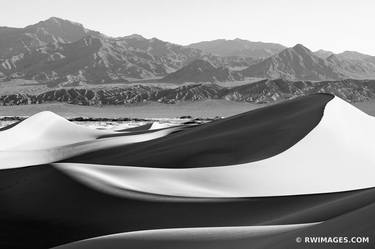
{"points": [[47, 208], [260, 179], [212, 237]]}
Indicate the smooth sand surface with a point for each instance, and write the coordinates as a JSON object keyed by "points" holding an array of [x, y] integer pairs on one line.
{"points": [[47, 208]]}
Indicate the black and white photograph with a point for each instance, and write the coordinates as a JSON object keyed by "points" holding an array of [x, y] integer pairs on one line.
{"points": [[187, 124]]}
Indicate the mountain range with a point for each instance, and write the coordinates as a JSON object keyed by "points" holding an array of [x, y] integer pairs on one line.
{"points": [[61, 53]]}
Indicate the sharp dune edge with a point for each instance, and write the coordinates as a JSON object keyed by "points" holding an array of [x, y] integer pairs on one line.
{"points": [[243, 138], [318, 182]]}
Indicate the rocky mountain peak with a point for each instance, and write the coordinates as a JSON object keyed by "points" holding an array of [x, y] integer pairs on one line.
{"points": [[299, 48], [57, 29], [134, 36]]}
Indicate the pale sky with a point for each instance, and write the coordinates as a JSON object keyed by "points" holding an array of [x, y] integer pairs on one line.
{"points": [[335, 25]]}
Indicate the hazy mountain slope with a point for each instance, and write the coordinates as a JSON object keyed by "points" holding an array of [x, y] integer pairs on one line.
{"points": [[88, 59], [352, 55], [176, 56], [59, 51], [353, 67], [201, 71], [239, 47], [95, 60], [171, 55], [296, 63]]}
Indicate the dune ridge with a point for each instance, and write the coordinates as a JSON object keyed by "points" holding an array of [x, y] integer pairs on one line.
{"points": [[338, 148]]}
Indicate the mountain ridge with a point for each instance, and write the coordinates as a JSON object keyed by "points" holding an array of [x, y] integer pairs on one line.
{"points": [[110, 59]]}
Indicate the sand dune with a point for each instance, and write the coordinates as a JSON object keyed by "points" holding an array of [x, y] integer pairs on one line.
{"points": [[47, 137], [45, 130], [258, 180], [338, 148], [248, 137]]}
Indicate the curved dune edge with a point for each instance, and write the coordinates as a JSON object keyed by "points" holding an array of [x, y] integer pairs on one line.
{"points": [[183, 235], [213, 182], [22, 158]]}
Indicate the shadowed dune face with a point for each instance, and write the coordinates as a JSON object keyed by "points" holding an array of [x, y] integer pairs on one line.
{"points": [[243, 138], [256, 180]]}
